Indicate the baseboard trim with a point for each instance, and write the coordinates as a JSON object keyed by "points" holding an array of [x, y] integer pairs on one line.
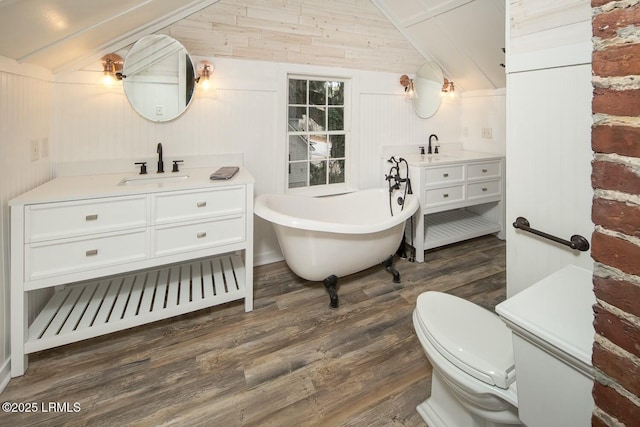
{"points": [[267, 258]]}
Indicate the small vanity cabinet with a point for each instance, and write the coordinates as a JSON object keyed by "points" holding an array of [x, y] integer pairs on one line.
{"points": [[461, 197], [114, 255]]}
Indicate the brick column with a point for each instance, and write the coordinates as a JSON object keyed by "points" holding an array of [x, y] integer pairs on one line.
{"points": [[615, 140]]}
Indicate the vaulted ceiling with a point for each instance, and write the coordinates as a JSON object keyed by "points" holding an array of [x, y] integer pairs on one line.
{"points": [[63, 35], [465, 37]]}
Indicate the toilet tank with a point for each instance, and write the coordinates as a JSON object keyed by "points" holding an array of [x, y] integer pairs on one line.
{"points": [[552, 331]]}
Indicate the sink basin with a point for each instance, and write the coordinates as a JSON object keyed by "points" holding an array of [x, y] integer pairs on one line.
{"points": [[433, 158], [153, 179]]}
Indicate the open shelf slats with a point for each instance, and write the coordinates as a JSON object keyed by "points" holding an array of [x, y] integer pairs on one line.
{"points": [[106, 305], [452, 226]]}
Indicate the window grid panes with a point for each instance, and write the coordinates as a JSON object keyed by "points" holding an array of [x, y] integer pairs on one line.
{"points": [[316, 132]]}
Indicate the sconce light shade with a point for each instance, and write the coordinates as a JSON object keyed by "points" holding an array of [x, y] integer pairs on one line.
{"points": [[204, 71], [409, 90], [112, 64], [448, 88]]}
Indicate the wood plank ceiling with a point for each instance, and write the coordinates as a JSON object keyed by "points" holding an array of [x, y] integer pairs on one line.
{"points": [[465, 37]]}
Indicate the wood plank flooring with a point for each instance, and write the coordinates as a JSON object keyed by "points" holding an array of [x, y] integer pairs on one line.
{"points": [[290, 362]]}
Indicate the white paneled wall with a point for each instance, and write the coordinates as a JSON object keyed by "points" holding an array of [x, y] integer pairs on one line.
{"points": [[548, 169], [243, 113], [549, 122], [25, 105], [484, 110], [389, 120]]}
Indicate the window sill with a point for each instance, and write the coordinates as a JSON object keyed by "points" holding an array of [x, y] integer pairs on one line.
{"points": [[332, 190]]}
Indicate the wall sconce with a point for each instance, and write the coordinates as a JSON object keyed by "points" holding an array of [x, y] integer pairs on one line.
{"points": [[204, 71], [409, 90], [112, 64], [448, 88]]}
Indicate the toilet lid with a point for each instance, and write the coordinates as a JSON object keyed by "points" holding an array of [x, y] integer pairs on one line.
{"points": [[472, 338]]}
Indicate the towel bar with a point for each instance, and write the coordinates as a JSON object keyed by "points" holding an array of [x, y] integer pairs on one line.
{"points": [[577, 242]]}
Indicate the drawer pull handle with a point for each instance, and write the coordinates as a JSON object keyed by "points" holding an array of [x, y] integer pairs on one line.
{"points": [[91, 252], [201, 204], [445, 195], [201, 234], [484, 188], [484, 171], [91, 217], [445, 175]]}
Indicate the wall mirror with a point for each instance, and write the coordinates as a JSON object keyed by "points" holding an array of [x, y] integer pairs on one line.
{"points": [[158, 78], [428, 86]]}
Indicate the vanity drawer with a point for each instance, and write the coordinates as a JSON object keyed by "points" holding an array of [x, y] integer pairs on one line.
{"points": [[483, 189], [186, 206], [439, 196], [68, 219], [444, 174], [72, 255], [183, 238], [483, 170]]}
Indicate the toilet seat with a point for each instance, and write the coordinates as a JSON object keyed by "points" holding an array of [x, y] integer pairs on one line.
{"points": [[473, 339]]}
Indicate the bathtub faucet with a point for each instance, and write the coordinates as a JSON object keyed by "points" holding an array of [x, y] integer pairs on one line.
{"points": [[397, 178], [394, 175]]}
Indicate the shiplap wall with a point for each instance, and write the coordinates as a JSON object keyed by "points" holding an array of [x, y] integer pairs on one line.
{"points": [[547, 33], [343, 33], [25, 111], [547, 24]]}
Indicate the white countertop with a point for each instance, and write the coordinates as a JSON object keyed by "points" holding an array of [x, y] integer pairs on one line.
{"points": [[448, 157], [558, 310], [67, 188]]}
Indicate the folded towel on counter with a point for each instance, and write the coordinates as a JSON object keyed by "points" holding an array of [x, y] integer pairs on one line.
{"points": [[225, 172]]}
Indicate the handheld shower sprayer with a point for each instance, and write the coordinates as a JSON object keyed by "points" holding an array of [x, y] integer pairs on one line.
{"points": [[406, 179]]}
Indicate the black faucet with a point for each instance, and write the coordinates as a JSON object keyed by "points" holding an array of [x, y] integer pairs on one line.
{"points": [[433, 135], [160, 162]]}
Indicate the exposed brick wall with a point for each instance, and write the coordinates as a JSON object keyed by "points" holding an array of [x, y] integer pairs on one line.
{"points": [[615, 177]]}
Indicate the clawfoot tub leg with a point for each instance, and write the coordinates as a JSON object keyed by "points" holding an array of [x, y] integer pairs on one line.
{"points": [[388, 265], [331, 283]]}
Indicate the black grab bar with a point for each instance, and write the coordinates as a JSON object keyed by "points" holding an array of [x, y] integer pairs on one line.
{"points": [[577, 242]]}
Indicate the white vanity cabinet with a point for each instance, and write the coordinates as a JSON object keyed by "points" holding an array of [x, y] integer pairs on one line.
{"points": [[461, 197], [116, 256]]}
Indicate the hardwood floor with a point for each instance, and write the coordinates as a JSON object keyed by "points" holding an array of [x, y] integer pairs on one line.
{"points": [[290, 362]]}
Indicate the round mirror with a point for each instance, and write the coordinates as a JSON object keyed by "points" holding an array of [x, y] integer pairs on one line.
{"points": [[158, 78], [428, 86]]}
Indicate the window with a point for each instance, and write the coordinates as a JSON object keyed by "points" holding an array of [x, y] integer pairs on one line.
{"points": [[317, 139]]}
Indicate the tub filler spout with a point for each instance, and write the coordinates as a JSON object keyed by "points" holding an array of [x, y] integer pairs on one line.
{"points": [[358, 225]]}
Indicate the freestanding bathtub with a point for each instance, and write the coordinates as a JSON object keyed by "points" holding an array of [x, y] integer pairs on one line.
{"points": [[324, 238]]}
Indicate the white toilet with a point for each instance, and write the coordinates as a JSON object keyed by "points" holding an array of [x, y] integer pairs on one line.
{"points": [[552, 329], [471, 351]]}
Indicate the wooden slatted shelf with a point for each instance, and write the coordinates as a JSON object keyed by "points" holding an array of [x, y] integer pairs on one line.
{"points": [[102, 306], [443, 228]]}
